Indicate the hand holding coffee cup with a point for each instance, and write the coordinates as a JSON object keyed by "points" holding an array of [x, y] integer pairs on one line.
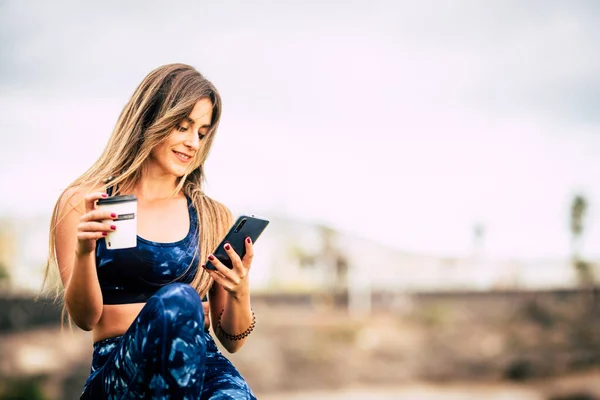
{"points": [[93, 224], [123, 212]]}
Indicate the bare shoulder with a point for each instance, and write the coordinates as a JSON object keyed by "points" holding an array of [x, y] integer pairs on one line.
{"points": [[223, 211], [222, 207], [73, 198], [216, 205]]}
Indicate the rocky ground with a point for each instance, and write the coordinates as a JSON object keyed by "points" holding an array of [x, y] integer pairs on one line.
{"points": [[514, 347], [578, 387]]}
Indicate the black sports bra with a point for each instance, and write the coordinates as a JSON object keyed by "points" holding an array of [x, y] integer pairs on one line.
{"points": [[133, 275]]}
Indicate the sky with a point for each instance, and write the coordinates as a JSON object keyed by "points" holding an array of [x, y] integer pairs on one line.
{"points": [[405, 123]]}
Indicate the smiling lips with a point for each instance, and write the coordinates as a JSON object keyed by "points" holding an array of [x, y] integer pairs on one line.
{"points": [[182, 156]]}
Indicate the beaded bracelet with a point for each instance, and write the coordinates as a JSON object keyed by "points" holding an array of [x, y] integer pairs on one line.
{"points": [[241, 335]]}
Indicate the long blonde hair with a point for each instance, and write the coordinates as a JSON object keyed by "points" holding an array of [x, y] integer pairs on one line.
{"points": [[163, 99]]}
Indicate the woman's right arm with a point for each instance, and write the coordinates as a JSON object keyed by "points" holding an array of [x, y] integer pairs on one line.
{"points": [[77, 229]]}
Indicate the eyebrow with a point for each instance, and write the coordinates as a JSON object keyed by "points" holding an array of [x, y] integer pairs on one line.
{"points": [[191, 121]]}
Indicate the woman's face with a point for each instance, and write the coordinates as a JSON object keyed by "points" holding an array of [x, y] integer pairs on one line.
{"points": [[175, 155]]}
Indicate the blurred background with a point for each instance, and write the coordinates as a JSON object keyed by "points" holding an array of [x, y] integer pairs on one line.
{"points": [[430, 169]]}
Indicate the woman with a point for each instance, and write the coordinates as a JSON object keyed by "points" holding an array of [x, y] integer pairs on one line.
{"points": [[143, 304]]}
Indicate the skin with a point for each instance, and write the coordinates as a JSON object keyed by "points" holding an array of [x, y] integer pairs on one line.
{"points": [[81, 226]]}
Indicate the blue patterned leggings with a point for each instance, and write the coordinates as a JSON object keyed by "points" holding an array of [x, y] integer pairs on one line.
{"points": [[165, 354]]}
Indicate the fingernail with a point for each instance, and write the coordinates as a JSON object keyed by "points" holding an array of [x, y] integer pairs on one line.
{"points": [[248, 240], [113, 227], [104, 233], [113, 215], [203, 266], [104, 195], [227, 246], [211, 257]]}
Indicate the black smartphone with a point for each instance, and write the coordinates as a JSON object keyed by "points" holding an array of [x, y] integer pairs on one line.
{"points": [[245, 226]]}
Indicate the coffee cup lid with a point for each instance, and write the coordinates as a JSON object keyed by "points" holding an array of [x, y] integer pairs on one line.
{"points": [[117, 199]]}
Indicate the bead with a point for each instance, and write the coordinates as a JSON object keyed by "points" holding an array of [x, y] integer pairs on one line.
{"points": [[241, 335]]}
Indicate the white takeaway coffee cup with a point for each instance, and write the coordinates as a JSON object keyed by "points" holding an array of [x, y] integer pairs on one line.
{"points": [[125, 236]]}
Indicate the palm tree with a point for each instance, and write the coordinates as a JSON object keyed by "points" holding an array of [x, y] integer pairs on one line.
{"points": [[4, 275], [478, 239], [579, 207]]}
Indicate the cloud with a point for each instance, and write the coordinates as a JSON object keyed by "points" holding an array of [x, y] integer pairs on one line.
{"points": [[368, 115], [495, 55]]}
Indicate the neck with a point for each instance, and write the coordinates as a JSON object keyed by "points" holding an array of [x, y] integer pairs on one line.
{"points": [[151, 190], [154, 186]]}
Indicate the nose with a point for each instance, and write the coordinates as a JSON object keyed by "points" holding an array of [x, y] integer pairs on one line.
{"points": [[192, 142]]}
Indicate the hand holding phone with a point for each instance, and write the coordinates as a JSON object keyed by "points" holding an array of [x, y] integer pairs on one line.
{"points": [[245, 226]]}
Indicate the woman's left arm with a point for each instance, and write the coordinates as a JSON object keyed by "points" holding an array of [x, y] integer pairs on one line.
{"points": [[229, 298]]}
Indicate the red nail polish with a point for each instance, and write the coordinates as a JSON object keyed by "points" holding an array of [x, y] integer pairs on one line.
{"points": [[104, 195], [211, 257], [113, 215], [104, 233], [203, 266], [113, 227], [248, 240], [227, 246]]}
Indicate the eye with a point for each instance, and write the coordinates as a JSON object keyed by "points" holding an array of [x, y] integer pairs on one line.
{"points": [[201, 135], [181, 128]]}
